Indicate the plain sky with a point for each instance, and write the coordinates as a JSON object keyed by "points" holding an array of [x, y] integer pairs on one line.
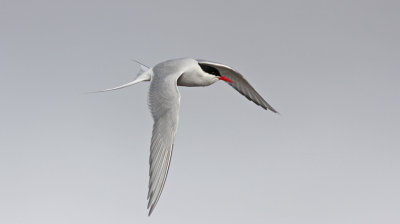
{"points": [[331, 68]]}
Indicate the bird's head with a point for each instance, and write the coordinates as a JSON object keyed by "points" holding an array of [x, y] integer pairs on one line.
{"points": [[213, 71]]}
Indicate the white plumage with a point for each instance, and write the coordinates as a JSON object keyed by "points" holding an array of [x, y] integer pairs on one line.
{"points": [[164, 101]]}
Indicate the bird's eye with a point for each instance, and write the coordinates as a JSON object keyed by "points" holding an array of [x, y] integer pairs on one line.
{"points": [[209, 69]]}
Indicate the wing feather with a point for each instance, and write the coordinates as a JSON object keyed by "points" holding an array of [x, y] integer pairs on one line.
{"points": [[164, 100], [240, 84]]}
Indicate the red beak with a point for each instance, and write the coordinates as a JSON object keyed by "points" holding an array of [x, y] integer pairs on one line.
{"points": [[225, 79]]}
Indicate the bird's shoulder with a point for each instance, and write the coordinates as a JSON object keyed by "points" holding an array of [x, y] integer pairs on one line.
{"points": [[174, 66]]}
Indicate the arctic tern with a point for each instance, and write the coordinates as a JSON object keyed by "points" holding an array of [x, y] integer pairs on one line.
{"points": [[164, 101]]}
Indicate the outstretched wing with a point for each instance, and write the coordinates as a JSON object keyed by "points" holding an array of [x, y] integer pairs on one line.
{"points": [[240, 84], [164, 101]]}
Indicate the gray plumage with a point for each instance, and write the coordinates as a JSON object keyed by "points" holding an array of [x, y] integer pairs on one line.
{"points": [[164, 101]]}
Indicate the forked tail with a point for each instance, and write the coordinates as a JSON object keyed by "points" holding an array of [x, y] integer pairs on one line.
{"points": [[144, 74]]}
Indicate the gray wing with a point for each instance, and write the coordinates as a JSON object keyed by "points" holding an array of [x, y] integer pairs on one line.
{"points": [[240, 84], [164, 99]]}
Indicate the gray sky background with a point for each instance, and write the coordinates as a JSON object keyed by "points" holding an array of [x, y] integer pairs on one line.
{"points": [[330, 67]]}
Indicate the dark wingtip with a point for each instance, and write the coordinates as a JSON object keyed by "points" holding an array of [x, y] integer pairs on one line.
{"points": [[273, 110], [150, 211]]}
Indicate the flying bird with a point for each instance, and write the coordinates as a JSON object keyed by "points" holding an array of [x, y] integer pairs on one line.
{"points": [[164, 101]]}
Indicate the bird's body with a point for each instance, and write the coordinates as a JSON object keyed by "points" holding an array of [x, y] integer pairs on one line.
{"points": [[164, 101]]}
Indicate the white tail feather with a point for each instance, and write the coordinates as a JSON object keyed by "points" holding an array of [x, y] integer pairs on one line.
{"points": [[144, 74], [143, 68]]}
